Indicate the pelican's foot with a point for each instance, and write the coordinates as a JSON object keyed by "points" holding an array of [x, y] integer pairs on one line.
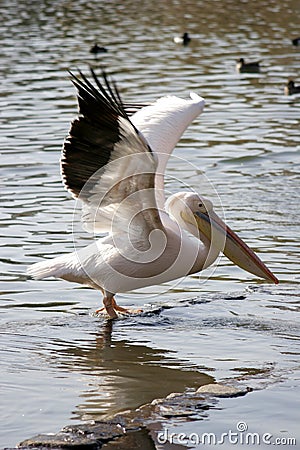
{"points": [[125, 310], [111, 306]]}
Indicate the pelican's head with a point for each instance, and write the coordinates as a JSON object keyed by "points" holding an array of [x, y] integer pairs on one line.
{"points": [[196, 214]]}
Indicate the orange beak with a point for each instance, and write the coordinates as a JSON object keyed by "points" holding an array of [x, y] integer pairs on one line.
{"points": [[233, 247]]}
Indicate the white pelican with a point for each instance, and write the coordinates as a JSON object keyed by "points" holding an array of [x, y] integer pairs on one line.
{"points": [[115, 165]]}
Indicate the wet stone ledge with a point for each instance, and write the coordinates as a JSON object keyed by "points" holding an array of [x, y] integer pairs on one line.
{"points": [[135, 429]]}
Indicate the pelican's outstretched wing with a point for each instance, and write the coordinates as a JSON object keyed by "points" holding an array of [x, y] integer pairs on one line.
{"points": [[107, 163], [162, 124]]}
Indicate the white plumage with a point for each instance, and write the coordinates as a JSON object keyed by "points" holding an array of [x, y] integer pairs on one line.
{"points": [[115, 165]]}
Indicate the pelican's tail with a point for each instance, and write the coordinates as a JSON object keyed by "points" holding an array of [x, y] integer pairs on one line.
{"points": [[76, 267], [46, 269], [68, 267], [61, 267]]}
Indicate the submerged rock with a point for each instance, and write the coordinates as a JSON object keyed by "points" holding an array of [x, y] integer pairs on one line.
{"points": [[87, 436], [222, 390], [135, 429]]}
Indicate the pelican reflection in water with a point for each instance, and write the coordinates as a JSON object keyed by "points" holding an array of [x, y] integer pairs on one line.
{"points": [[115, 165]]}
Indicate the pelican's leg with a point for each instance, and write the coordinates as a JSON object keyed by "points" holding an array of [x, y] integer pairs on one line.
{"points": [[108, 302], [111, 306]]}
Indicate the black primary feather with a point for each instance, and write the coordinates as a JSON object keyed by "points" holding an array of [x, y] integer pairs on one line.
{"points": [[92, 135]]}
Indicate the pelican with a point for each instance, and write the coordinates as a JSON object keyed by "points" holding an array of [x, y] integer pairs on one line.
{"points": [[114, 164]]}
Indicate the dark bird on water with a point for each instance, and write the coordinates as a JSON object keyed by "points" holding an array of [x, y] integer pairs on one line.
{"points": [[96, 49], [250, 67], [296, 41], [290, 88], [184, 39]]}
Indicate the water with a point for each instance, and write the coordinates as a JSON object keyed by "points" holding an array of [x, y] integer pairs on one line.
{"points": [[59, 363]]}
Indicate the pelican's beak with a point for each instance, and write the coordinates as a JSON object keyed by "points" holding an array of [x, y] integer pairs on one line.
{"points": [[233, 247]]}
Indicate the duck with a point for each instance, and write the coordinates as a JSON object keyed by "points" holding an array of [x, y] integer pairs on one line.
{"points": [[184, 39], [296, 41], [290, 88], [251, 67], [96, 49]]}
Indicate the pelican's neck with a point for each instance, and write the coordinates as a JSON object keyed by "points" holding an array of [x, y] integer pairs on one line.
{"points": [[183, 218], [159, 190], [206, 254]]}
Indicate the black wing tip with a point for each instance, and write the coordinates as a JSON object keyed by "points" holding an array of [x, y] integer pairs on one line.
{"points": [[93, 132], [109, 89], [102, 88]]}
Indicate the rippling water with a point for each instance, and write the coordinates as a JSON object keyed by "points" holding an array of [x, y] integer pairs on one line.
{"points": [[58, 361]]}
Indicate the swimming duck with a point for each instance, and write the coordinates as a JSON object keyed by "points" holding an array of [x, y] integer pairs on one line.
{"points": [[296, 41], [251, 67], [184, 39], [96, 49], [290, 88]]}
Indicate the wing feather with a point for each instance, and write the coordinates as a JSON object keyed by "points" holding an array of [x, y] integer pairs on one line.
{"points": [[107, 163], [162, 124], [116, 165]]}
